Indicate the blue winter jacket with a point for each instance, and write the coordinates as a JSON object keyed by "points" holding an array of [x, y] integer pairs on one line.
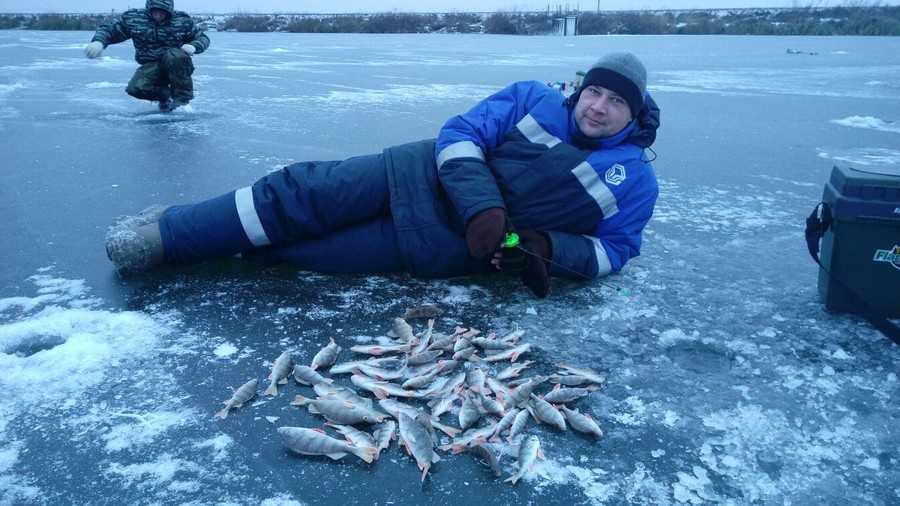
{"points": [[521, 150]]}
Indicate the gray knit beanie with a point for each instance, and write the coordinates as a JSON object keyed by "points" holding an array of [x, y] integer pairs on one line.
{"points": [[622, 73]]}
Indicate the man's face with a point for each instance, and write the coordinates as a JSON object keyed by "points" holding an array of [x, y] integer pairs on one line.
{"points": [[601, 112], [159, 15]]}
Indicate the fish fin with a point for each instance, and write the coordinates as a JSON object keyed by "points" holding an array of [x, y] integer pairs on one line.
{"points": [[222, 414], [540, 454], [314, 410], [320, 431], [282, 381], [434, 456], [299, 401], [474, 358], [380, 393], [272, 390], [513, 479], [328, 380], [336, 456], [450, 431]]}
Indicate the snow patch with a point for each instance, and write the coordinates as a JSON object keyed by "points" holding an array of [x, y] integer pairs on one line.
{"points": [[869, 123]]}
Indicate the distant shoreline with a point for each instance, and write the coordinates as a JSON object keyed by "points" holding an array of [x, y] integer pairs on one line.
{"points": [[875, 20]]}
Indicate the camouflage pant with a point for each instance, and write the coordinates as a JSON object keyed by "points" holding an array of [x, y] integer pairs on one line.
{"points": [[152, 81]]}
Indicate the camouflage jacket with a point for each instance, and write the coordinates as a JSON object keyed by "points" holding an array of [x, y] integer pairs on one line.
{"points": [[152, 39]]}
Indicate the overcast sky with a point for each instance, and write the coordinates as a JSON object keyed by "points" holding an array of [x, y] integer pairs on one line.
{"points": [[351, 6]]}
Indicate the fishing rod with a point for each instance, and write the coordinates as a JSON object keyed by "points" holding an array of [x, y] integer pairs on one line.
{"points": [[512, 241]]}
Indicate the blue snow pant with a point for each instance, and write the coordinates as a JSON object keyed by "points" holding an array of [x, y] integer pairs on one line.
{"points": [[322, 216]]}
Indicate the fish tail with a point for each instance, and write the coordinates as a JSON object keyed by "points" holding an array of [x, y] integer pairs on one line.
{"points": [[272, 390], [367, 454], [222, 414]]}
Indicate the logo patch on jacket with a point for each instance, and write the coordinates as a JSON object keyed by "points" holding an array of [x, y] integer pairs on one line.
{"points": [[615, 175]]}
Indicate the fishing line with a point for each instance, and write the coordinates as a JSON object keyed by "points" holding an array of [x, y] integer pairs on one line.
{"points": [[512, 241]]}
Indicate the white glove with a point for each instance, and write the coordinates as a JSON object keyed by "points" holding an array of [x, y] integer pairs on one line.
{"points": [[189, 49], [93, 49]]}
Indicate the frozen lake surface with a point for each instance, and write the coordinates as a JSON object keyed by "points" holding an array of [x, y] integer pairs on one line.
{"points": [[726, 379]]}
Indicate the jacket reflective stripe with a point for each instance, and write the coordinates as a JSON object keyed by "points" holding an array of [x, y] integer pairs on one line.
{"points": [[585, 173], [604, 266], [535, 133], [597, 189], [243, 200], [464, 149]]}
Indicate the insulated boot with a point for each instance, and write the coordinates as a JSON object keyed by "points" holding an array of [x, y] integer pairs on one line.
{"points": [[134, 250], [175, 104]]}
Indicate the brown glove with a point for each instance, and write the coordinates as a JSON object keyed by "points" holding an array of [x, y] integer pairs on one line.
{"points": [[486, 232], [528, 266]]}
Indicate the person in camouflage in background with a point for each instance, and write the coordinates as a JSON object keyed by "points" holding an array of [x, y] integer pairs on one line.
{"points": [[164, 41]]}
